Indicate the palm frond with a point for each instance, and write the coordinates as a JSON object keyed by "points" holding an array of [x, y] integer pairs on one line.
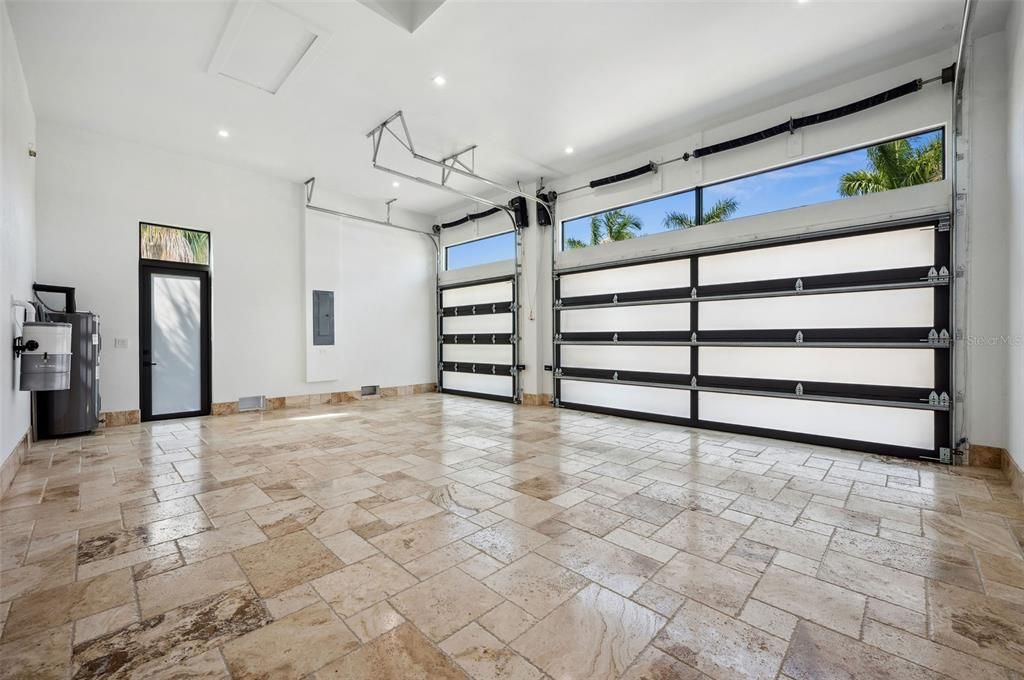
{"points": [[722, 210], [677, 220]]}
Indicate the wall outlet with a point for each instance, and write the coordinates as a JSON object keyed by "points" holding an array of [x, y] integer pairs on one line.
{"points": [[121, 343]]}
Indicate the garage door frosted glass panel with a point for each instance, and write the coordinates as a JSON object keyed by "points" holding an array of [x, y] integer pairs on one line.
{"points": [[628, 397], [654, 276], [897, 367], [673, 317], [654, 359], [486, 323], [500, 291], [873, 309], [477, 354], [869, 252], [896, 426], [484, 384]]}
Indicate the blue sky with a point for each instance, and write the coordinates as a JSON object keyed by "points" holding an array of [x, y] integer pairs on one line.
{"points": [[798, 185]]}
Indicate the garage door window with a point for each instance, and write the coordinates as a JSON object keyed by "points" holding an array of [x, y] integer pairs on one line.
{"points": [[903, 162], [481, 251]]}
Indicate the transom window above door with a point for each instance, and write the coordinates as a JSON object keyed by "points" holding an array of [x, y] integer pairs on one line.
{"points": [[174, 244]]}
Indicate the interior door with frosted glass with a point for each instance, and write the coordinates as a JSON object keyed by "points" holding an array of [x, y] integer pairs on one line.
{"points": [[175, 339]]}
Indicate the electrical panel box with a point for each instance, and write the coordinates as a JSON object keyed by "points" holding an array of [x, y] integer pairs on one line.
{"points": [[323, 317]]}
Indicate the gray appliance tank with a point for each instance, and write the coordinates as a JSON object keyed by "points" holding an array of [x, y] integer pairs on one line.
{"points": [[75, 410]]}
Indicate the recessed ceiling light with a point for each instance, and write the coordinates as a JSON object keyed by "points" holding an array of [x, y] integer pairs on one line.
{"points": [[802, 2], [440, 80], [569, 149], [395, 184], [223, 133]]}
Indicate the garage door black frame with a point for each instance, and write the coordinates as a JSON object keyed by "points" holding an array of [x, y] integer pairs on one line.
{"points": [[937, 339]]}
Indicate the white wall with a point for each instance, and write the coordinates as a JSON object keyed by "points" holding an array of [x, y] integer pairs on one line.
{"points": [[17, 231], [986, 229], [93, 192], [383, 281], [1015, 246]]}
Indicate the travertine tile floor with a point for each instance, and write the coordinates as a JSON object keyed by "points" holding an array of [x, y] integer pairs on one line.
{"points": [[439, 537]]}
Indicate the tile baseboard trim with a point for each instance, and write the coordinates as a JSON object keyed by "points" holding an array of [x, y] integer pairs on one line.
{"points": [[12, 463], [119, 418], [985, 456], [1014, 474], [536, 399], [224, 408]]}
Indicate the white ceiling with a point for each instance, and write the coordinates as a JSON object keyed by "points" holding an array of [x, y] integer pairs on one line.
{"points": [[525, 79]]}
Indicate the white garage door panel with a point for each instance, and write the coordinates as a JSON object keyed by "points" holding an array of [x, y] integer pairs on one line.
{"points": [[486, 323], [484, 384], [654, 276], [895, 426], [500, 291], [896, 367], [869, 252], [873, 309], [478, 354], [674, 317], [653, 359], [628, 397]]}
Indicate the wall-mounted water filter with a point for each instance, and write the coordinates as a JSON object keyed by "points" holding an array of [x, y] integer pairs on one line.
{"points": [[45, 350]]}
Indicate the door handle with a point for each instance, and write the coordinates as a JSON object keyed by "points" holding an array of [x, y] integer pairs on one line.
{"points": [[149, 363]]}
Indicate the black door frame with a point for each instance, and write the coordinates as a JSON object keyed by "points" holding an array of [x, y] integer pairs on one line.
{"points": [[202, 272]]}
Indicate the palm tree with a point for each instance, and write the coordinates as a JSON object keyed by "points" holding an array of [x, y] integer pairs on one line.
{"points": [[722, 210], [175, 245], [894, 165], [614, 225]]}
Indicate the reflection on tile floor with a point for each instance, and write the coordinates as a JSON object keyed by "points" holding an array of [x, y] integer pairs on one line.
{"points": [[436, 537]]}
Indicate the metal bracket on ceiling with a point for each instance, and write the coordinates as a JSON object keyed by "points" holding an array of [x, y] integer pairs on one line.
{"points": [[456, 159], [448, 165]]}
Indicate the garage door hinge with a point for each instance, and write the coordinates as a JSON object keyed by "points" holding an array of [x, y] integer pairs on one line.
{"points": [[799, 389], [799, 285], [558, 373], [945, 455], [943, 225]]}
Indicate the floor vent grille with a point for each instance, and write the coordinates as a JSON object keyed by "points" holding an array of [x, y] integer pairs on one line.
{"points": [[252, 403]]}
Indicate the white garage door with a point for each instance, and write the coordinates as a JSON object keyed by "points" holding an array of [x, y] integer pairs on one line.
{"points": [[840, 339], [478, 348]]}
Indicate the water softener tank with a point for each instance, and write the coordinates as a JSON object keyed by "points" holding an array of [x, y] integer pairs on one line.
{"points": [[46, 357]]}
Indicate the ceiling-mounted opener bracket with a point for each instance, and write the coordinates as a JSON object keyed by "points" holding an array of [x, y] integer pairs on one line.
{"points": [[455, 159], [454, 163]]}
